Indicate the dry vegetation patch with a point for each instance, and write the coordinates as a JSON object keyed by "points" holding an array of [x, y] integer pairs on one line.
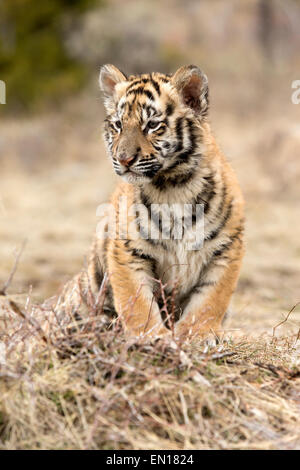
{"points": [[79, 383]]}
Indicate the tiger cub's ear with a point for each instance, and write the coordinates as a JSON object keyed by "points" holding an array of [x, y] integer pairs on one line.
{"points": [[109, 77], [192, 85]]}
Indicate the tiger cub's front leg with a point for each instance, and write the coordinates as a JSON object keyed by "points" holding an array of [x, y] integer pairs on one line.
{"points": [[132, 282], [210, 297]]}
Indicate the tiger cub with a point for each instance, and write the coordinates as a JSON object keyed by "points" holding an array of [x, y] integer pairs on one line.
{"points": [[160, 143]]}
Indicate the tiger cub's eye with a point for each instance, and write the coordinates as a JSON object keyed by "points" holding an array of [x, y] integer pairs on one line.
{"points": [[118, 125], [153, 125]]}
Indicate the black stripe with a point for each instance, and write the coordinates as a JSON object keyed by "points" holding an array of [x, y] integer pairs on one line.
{"points": [[129, 106], [214, 233], [132, 84], [207, 194], [183, 179], [149, 94], [141, 91], [160, 182], [156, 85], [179, 133], [221, 204], [151, 172], [197, 289], [206, 107], [183, 157], [169, 109], [191, 135], [180, 159], [135, 91], [143, 257], [112, 127], [217, 254], [145, 200], [150, 108], [145, 164], [225, 246]]}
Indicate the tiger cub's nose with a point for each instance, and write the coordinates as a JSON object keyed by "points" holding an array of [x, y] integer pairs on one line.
{"points": [[126, 160]]}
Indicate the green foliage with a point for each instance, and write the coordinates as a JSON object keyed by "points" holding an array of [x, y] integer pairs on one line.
{"points": [[34, 63]]}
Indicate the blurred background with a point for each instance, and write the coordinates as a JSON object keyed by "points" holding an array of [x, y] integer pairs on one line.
{"points": [[53, 167]]}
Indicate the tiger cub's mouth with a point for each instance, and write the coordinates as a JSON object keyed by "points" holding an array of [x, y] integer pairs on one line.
{"points": [[133, 174]]}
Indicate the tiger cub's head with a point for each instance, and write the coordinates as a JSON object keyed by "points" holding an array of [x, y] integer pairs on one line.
{"points": [[153, 121]]}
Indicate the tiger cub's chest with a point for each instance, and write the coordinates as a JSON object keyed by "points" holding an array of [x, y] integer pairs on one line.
{"points": [[179, 267], [173, 235]]}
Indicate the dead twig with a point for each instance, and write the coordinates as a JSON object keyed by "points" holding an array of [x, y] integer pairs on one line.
{"points": [[33, 322], [269, 367], [3, 291], [218, 356], [286, 319]]}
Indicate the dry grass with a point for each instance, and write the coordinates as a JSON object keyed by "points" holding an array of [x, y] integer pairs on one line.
{"points": [[80, 384]]}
